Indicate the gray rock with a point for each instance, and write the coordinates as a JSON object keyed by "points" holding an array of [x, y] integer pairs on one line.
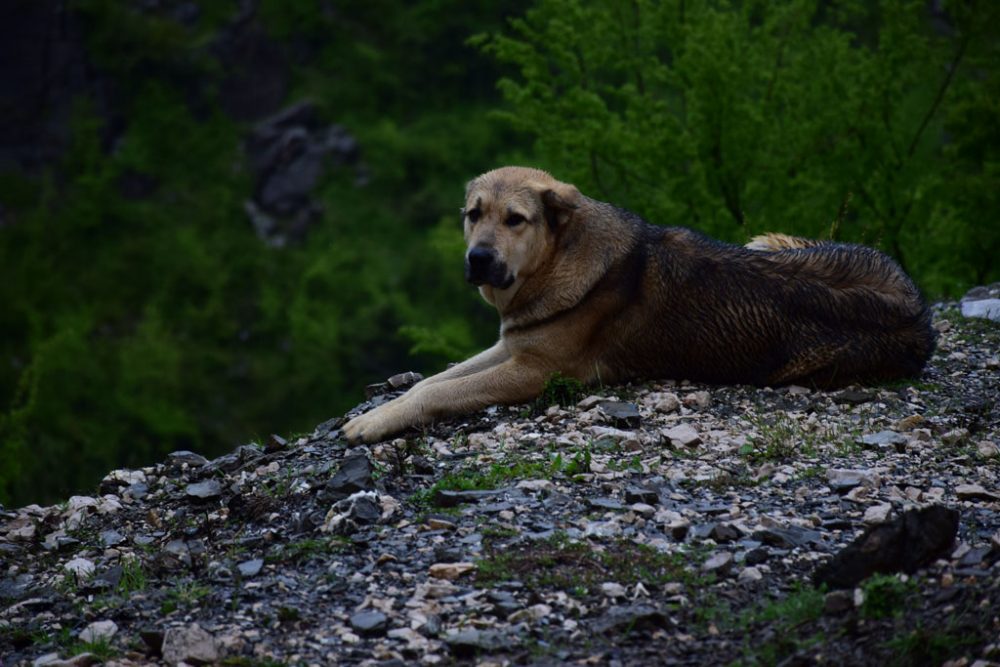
{"points": [[641, 494], [190, 644], [469, 643], [355, 474], [370, 622], [788, 537], [721, 562], [365, 510], [184, 456], [837, 602], [445, 498], [621, 414], [630, 618], [843, 480], [885, 439], [604, 504], [904, 544], [988, 309], [250, 568], [853, 396], [204, 490], [975, 492], [98, 630], [684, 435], [110, 538]]}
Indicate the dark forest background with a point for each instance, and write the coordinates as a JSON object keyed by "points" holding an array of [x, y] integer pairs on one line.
{"points": [[221, 219]]}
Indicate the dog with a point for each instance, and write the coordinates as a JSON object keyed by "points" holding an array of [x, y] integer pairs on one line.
{"points": [[594, 292]]}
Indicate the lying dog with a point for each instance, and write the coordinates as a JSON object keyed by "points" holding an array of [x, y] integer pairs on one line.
{"points": [[596, 293]]}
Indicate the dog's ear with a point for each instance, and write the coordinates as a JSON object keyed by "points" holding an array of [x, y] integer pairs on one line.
{"points": [[560, 201]]}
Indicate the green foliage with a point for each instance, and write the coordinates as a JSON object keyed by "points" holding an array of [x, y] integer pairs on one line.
{"points": [[777, 439], [867, 122], [930, 646], [802, 606], [142, 314], [885, 595], [580, 567], [560, 390]]}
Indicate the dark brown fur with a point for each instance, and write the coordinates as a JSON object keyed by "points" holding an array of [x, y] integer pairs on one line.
{"points": [[595, 292]]}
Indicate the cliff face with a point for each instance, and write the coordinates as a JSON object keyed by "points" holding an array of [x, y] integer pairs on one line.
{"points": [[662, 523]]}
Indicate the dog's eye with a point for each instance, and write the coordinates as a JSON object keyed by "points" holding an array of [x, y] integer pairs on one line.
{"points": [[514, 220], [473, 215]]}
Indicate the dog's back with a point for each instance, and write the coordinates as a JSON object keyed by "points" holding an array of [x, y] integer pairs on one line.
{"points": [[814, 313]]}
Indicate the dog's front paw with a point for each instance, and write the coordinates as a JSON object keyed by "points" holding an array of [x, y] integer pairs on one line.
{"points": [[376, 424], [360, 428]]}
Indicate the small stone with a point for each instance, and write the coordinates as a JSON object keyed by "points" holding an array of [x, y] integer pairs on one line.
{"points": [[877, 514], [204, 490], [469, 643], [250, 568], [110, 538], [98, 630], [955, 436], [634, 618], [788, 537], [853, 397], [724, 532], [185, 457], [987, 449], [837, 602], [590, 401], [719, 563], [533, 613], [189, 644], [536, 484], [81, 567], [641, 494], [698, 400], [354, 474], [446, 498], [438, 523], [842, 480], [450, 571], [684, 435], [667, 404], [275, 443], [369, 622], [750, 575], [404, 380], [621, 414], [612, 589], [974, 492], [885, 439], [605, 504], [909, 423]]}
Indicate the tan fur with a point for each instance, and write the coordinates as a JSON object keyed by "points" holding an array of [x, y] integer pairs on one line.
{"points": [[773, 241], [596, 293]]}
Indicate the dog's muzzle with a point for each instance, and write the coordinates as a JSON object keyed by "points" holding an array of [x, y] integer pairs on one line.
{"points": [[483, 267]]}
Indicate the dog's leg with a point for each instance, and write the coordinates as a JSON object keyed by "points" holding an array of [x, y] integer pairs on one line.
{"points": [[511, 381], [480, 362]]}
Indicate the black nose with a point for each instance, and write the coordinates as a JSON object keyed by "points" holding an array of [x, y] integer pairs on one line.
{"points": [[480, 258], [478, 264]]}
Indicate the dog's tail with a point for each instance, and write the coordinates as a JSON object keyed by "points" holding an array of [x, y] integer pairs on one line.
{"points": [[773, 242]]}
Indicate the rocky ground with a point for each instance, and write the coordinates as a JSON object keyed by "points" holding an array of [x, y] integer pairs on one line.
{"points": [[654, 524]]}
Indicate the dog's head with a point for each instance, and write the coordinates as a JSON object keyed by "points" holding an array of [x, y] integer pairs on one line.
{"points": [[512, 217]]}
